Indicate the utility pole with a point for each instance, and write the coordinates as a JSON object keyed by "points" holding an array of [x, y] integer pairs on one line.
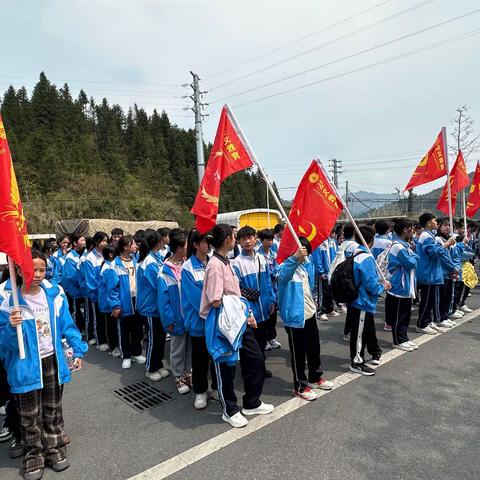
{"points": [[335, 169], [197, 109]]}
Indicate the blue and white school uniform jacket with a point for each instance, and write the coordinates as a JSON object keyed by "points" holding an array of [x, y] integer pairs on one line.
{"points": [[366, 279], [118, 287], [105, 278], [26, 375], [58, 260], [168, 301], [291, 297], [252, 272], [91, 269], [349, 246], [332, 249], [380, 243], [452, 253], [431, 257], [193, 276], [219, 348], [147, 283], [71, 275], [271, 259], [402, 262], [465, 253]]}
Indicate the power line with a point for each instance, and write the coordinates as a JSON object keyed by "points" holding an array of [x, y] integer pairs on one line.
{"points": [[365, 67], [355, 54], [324, 29], [330, 42]]}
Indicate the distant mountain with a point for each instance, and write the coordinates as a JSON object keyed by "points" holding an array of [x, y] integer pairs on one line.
{"points": [[361, 203]]}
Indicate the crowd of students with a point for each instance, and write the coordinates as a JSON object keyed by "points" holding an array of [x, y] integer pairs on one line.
{"points": [[216, 297]]}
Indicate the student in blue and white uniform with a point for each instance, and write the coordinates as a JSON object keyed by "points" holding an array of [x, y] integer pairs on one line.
{"points": [[402, 262], [91, 271], [164, 251], [193, 276], [121, 294], [49, 248], [383, 239], [266, 238], [349, 244], [254, 276], [104, 304], [58, 258], [298, 312], [148, 266], [433, 260], [37, 381], [171, 315], [71, 279], [278, 230], [361, 311]]}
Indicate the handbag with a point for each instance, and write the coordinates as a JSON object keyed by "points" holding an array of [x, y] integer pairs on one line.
{"points": [[251, 294]]}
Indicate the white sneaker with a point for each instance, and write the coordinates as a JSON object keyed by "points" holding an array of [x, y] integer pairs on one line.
{"points": [[268, 347], [308, 394], [116, 352], [322, 384], [456, 315], [92, 342], [412, 344], [103, 347], [182, 387], [343, 308], [405, 346], [346, 338], [3, 410], [214, 395], [201, 401], [164, 373], [262, 409], [153, 376], [453, 323], [236, 421], [437, 327], [335, 314], [139, 359], [428, 330], [168, 337], [275, 344], [323, 317], [466, 309], [127, 363], [445, 324]]}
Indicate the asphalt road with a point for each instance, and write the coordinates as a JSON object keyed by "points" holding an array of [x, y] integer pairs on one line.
{"points": [[417, 418]]}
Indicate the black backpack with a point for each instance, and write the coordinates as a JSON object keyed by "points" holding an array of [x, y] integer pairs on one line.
{"points": [[342, 282]]}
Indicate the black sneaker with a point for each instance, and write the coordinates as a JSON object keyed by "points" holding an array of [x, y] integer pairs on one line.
{"points": [[268, 374], [362, 369], [16, 448], [375, 360]]}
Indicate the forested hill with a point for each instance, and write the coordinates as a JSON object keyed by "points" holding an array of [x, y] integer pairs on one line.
{"points": [[75, 158]]}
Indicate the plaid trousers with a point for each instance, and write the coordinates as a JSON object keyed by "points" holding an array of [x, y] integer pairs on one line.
{"points": [[41, 420]]}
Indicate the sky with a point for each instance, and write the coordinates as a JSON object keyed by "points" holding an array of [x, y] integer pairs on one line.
{"points": [[378, 120]]}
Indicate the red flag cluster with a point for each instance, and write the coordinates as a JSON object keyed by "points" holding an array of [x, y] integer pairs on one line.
{"points": [[473, 203], [314, 211], [459, 180], [13, 228]]}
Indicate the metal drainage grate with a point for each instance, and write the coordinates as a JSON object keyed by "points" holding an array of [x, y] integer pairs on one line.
{"points": [[142, 396]]}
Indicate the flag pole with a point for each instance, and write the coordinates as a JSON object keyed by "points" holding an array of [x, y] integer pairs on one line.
{"points": [[248, 147], [16, 305], [350, 217], [449, 191], [464, 211]]}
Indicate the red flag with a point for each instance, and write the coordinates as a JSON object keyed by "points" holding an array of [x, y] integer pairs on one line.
{"points": [[431, 167], [473, 203], [13, 229], [314, 211], [228, 156], [459, 180]]}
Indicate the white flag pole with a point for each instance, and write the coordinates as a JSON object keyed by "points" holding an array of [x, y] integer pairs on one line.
{"points": [[449, 191], [16, 306], [350, 217], [250, 151]]}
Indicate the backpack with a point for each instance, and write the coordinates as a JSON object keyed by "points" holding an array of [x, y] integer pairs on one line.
{"points": [[342, 282]]}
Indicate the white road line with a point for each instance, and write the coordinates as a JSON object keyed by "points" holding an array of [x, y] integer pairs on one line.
{"points": [[194, 454]]}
